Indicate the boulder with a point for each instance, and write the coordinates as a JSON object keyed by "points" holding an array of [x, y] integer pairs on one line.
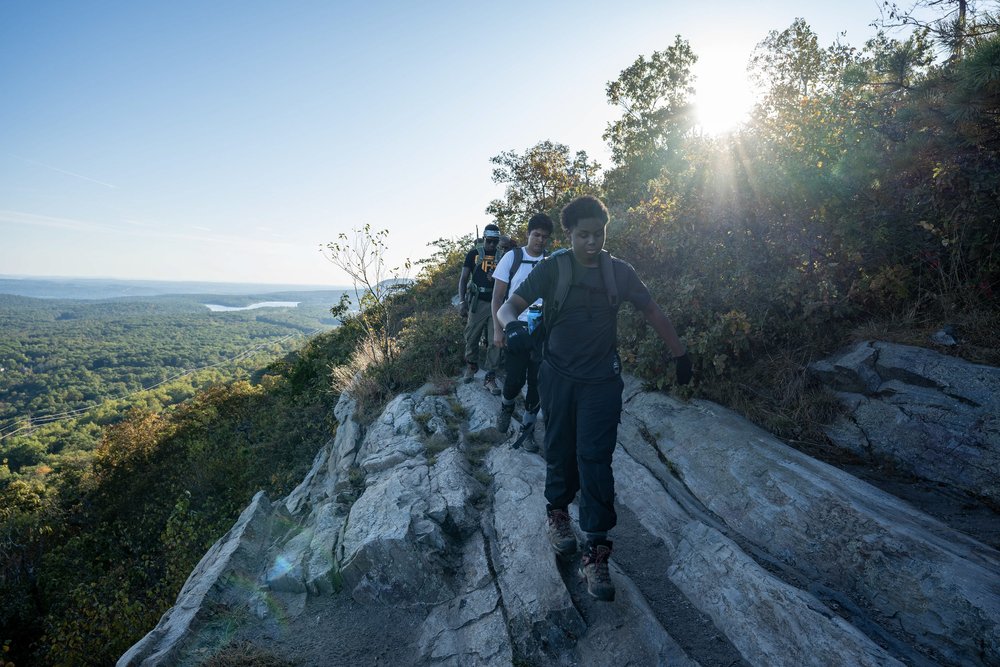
{"points": [[926, 584], [929, 414]]}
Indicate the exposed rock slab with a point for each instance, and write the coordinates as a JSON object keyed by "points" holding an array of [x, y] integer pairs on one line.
{"points": [[790, 561], [933, 415], [469, 629], [768, 620], [733, 589], [236, 556], [932, 586], [542, 620]]}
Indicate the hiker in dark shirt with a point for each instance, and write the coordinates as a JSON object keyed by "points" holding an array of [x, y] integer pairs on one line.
{"points": [[580, 379], [475, 289]]}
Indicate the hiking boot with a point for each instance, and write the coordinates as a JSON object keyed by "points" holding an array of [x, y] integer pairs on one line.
{"points": [[594, 568], [528, 424], [561, 533], [491, 383], [503, 419], [470, 372], [530, 445]]}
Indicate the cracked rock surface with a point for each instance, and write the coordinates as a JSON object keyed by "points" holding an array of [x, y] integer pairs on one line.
{"points": [[931, 415], [420, 540]]}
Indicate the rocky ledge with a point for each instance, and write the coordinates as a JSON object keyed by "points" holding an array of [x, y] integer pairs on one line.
{"points": [[934, 416], [427, 529]]}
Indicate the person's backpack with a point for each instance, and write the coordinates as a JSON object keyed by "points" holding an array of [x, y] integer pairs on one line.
{"points": [[516, 264], [472, 291], [481, 252], [564, 279]]}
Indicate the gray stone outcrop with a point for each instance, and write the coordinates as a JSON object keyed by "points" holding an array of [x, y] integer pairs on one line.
{"points": [[929, 414], [541, 615], [937, 587], [237, 553], [761, 555]]}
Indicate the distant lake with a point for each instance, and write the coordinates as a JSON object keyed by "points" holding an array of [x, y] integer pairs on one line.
{"points": [[215, 308]]}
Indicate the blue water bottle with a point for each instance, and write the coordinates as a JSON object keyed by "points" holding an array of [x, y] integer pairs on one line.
{"points": [[534, 318]]}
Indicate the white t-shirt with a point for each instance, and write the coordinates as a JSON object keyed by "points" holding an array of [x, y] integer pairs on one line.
{"points": [[506, 263]]}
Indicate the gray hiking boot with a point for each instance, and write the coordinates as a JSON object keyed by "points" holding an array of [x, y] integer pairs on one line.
{"points": [[594, 568], [490, 382], [503, 419], [470, 372], [561, 533]]}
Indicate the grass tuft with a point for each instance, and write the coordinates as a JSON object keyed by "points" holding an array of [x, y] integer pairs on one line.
{"points": [[246, 654]]}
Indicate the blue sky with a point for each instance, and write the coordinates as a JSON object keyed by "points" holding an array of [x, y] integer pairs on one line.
{"points": [[226, 141]]}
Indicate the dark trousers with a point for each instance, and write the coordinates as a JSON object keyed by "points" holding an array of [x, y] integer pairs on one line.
{"points": [[581, 430], [521, 367]]}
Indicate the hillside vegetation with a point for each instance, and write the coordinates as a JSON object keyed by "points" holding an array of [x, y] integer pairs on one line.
{"points": [[94, 548], [68, 367], [861, 198]]}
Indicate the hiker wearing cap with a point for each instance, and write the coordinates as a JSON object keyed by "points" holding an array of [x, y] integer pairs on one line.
{"points": [[580, 378], [475, 289], [520, 366]]}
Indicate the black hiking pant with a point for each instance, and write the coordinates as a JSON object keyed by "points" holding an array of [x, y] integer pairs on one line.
{"points": [[521, 367], [581, 431]]}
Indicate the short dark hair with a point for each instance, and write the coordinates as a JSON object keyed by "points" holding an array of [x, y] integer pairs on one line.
{"points": [[581, 208], [540, 221]]}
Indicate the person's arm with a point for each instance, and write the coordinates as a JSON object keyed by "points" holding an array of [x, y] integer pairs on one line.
{"points": [[499, 295], [508, 312], [664, 328], [463, 282]]}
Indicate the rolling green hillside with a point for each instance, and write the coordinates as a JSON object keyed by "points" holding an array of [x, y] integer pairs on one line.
{"points": [[69, 366]]}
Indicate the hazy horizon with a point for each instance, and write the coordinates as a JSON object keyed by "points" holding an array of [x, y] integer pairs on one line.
{"points": [[87, 288], [110, 278]]}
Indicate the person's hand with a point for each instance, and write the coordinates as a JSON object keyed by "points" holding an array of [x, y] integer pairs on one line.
{"points": [[518, 338], [463, 310], [500, 339], [684, 369]]}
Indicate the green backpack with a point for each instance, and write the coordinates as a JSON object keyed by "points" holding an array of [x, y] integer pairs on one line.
{"points": [[472, 291]]}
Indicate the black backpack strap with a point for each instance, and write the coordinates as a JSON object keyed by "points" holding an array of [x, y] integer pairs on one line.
{"points": [[516, 264], [564, 278], [608, 273]]}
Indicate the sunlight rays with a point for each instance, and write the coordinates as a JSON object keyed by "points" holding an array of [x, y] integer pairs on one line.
{"points": [[723, 98]]}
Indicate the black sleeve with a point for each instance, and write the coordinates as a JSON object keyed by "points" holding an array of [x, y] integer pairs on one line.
{"points": [[539, 282], [470, 260], [630, 286]]}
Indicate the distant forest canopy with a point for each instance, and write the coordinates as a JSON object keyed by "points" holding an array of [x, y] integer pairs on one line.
{"points": [[68, 367], [861, 197]]}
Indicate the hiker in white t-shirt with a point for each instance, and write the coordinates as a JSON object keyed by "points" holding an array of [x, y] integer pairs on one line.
{"points": [[520, 366]]}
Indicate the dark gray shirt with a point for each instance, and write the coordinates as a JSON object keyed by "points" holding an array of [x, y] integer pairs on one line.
{"points": [[583, 342]]}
